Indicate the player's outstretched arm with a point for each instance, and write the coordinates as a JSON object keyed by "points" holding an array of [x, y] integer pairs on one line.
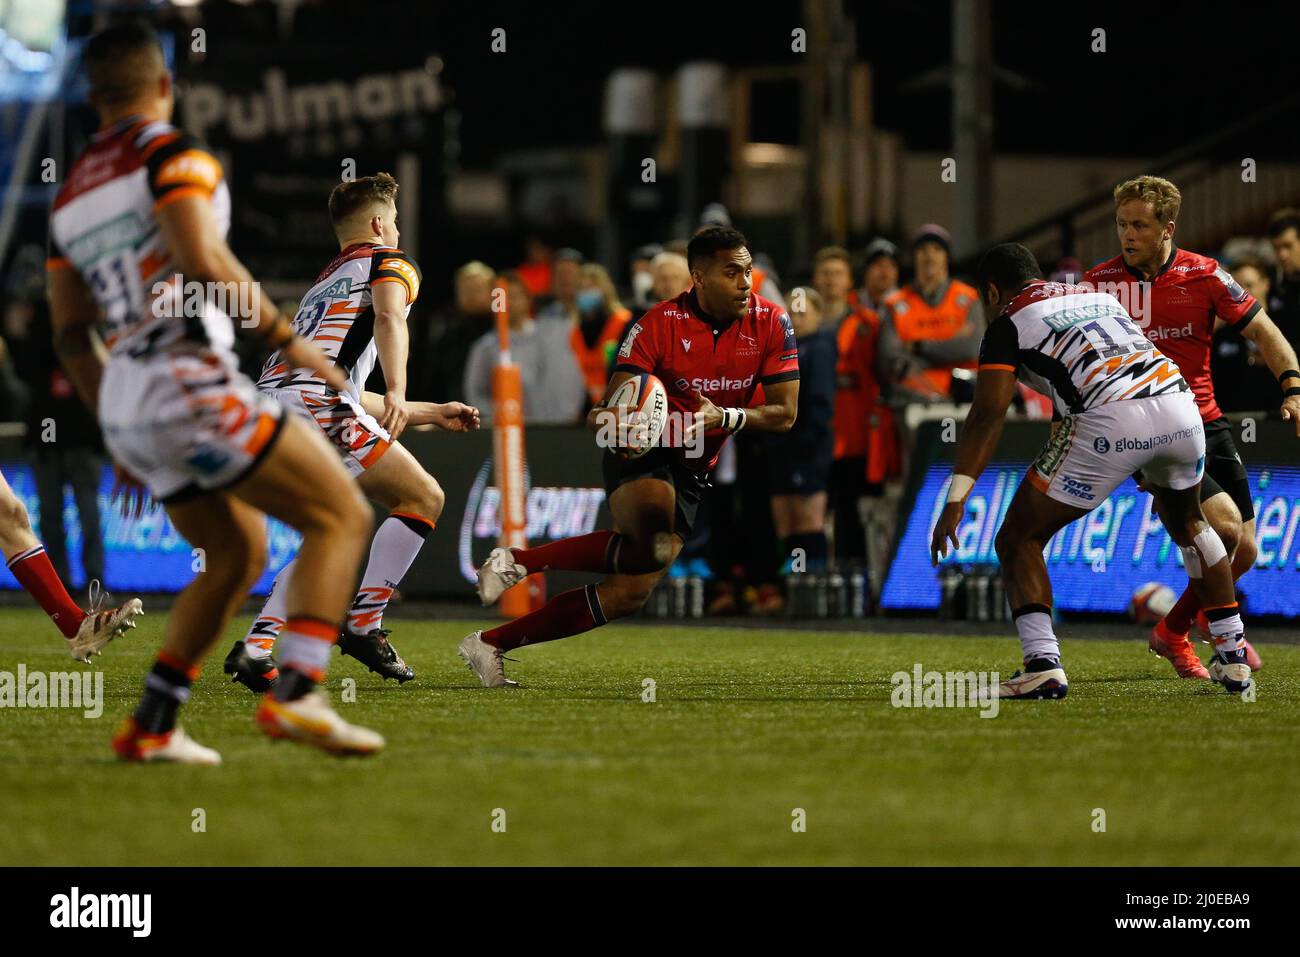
{"points": [[73, 314], [1281, 360], [994, 390], [448, 416]]}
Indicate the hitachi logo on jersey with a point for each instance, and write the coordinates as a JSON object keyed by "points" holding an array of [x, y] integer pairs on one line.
{"points": [[721, 385], [1177, 333]]}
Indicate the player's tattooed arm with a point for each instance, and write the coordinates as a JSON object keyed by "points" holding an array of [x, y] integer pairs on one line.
{"points": [[73, 314], [1280, 357]]}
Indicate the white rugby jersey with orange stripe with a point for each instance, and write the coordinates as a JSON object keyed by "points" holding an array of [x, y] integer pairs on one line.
{"points": [[103, 225], [338, 315], [174, 408], [1124, 406], [1077, 346]]}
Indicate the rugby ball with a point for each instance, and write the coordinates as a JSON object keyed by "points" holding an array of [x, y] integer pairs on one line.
{"points": [[1151, 602], [642, 404]]}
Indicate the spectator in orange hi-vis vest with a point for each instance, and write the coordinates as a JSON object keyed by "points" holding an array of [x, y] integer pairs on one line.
{"points": [[595, 335], [880, 271], [853, 333], [535, 270], [931, 326]]}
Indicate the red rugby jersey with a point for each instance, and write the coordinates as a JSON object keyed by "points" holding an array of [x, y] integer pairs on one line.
{"points": [[727, 361], [1177, 310]]}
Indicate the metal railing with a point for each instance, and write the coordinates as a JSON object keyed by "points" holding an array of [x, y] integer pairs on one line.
{"points": [[1220, 199]]}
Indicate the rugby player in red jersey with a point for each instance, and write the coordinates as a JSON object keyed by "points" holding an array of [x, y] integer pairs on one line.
{"points": [[1179, 298], [712, 347]]}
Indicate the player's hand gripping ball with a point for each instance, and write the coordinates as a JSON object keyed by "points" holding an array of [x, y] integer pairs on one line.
{"points": [[641, 407]]}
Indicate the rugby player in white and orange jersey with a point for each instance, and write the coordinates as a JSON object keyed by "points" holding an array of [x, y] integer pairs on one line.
{"points": [[356, 312], [1108, 382], [138, 236], [1180, 298]]}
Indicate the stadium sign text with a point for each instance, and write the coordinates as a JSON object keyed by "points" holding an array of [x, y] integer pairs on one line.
{"points": [[279, 108]]}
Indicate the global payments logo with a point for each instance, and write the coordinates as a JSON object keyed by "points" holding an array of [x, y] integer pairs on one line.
{"points": [[1101, 444]]}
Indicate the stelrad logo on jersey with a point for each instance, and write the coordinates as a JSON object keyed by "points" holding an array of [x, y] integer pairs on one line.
{"points": [[1159, 333], [724, 360], [721, 385]]}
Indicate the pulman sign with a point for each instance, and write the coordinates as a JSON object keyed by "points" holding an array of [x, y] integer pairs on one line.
{"points": [[279, 107], [288, 133]]}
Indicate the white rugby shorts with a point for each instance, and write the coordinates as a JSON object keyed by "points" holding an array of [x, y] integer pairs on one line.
{"points": [[356, 434], [185, 421], [1094, 451]]}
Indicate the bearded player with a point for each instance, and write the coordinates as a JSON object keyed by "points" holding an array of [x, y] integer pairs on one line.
{"points": [[86, 632], [138, 235], [713, 347], [356, 312], [1180, 298], [1106, 379]]}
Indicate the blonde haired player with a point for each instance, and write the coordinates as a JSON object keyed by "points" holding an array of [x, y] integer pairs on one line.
{"points": [[356, 312], [1180, 299], [142, 211]]}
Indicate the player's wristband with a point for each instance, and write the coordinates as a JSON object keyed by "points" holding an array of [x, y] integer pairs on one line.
{"points": [[1294, 390], [278, 334], [733, 420], [960, 487], [1289, 374]]}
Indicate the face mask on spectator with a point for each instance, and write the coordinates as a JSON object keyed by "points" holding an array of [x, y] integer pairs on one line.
{"points": [[642, 284], [589, 301]]}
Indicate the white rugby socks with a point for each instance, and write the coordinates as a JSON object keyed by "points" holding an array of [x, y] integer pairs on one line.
{"points": [[266, 628], [1037, 639], [396, 543]]}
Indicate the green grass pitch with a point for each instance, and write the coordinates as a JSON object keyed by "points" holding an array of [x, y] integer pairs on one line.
{"points": [[747, 726]]}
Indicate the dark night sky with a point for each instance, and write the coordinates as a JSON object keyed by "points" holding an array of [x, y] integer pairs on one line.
{"points": [[1193, 67], [1164, 81]]}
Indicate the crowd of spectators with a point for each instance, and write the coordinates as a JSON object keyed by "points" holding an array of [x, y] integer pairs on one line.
{"points": [[878, 328]]}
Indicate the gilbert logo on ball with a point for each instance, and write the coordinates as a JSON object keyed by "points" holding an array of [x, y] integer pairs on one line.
{"points": [[641, 404]]}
